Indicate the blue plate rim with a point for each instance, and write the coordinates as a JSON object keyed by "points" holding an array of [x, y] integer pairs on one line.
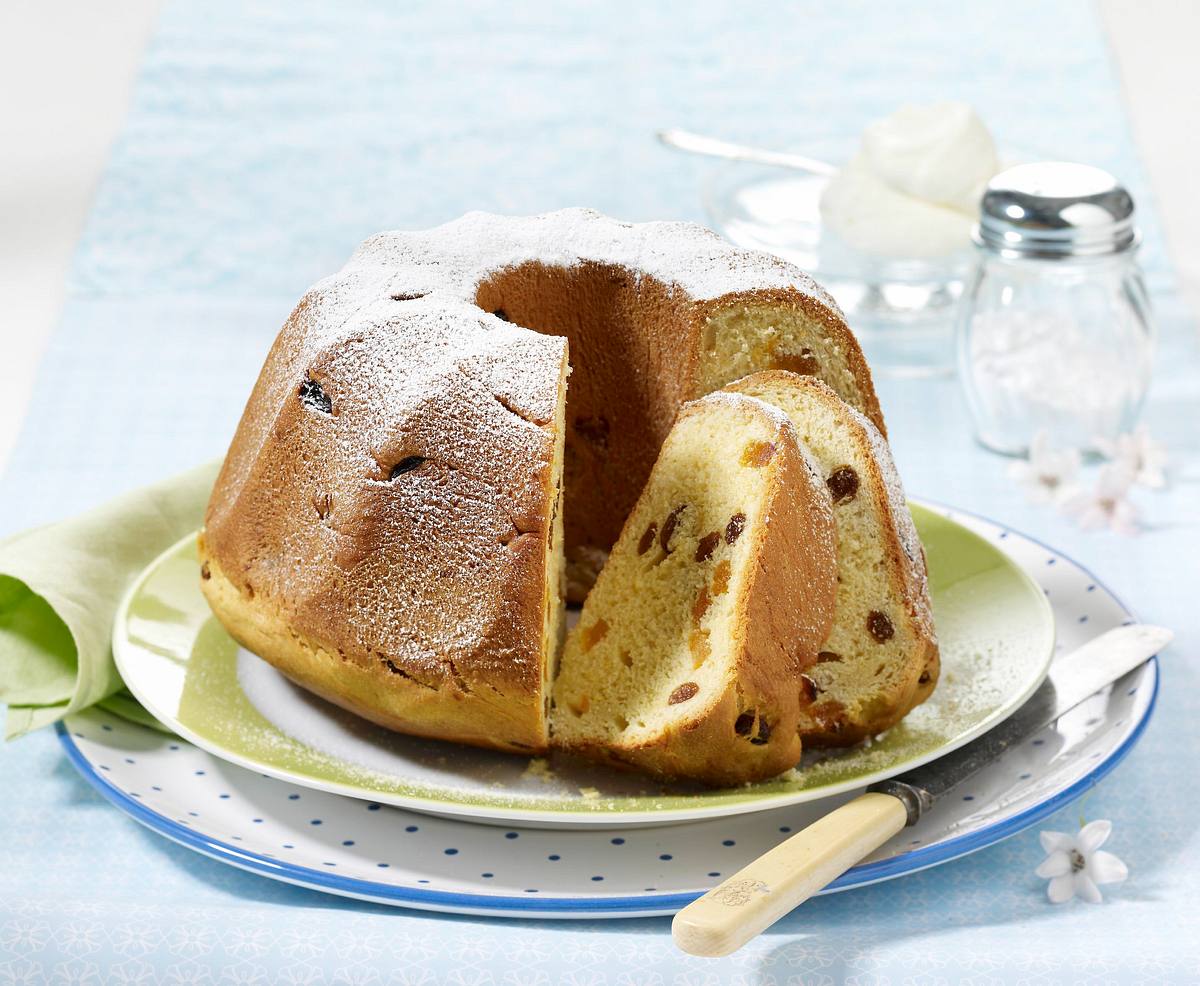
{"points": [[645, 904]]}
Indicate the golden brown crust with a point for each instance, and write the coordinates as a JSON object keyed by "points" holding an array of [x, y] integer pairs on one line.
{"points": [[389, 698], [400, 542]]}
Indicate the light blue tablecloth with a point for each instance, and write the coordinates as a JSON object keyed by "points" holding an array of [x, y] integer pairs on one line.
{"points": [[264, 142]]}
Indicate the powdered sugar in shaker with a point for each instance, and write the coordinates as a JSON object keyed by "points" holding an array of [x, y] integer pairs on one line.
{"points": [[1055, 331]]}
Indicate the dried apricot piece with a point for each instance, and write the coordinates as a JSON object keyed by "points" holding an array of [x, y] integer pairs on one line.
{"points": [[721, 576], [758, 454], [594, 634], [803, 362]]}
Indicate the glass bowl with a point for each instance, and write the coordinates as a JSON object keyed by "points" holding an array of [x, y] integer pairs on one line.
{"points": [[901, 308]]}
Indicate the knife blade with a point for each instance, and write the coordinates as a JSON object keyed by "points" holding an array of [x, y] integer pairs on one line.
{"points": [[759, 894], [1072, 679]]}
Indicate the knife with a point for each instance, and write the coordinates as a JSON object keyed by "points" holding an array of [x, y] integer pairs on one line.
{"points": [[759, 894]]}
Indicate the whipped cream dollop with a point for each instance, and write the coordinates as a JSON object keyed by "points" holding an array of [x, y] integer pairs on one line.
{"points": [[913, 187]]}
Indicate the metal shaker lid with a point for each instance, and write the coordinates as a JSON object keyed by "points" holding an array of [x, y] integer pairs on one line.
{"points": [[1054, 210]]}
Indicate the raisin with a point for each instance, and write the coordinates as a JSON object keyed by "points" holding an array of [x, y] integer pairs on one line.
{"points": [[744, 725], [829, 719], [700, 607], [924, 679], [595, 430], [808, 689], [205, 574], [501, 314], [322, 504], [827, 657], [407, 464], [758, 454], [733, 530], [685, 691], [647, 538], [594, 634], [699, 646], [721, 575], [843, 484], [313, 394], [764, 733], [668, 528], [706, 547], [880, 626]]}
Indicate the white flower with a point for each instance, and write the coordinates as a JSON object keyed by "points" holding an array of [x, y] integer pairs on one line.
{"points": [[1075, 864], [1107, 505], [1049, 473], [1144, 457]]}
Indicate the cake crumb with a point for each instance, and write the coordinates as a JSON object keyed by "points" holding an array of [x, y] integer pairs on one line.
{"points": [[539, 769]]}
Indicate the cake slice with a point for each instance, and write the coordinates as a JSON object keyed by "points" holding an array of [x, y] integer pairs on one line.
{"points": [[714, 600], [881, 657]]}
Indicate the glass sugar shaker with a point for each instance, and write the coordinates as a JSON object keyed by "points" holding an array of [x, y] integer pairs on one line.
{"points": [[1055, 331]]}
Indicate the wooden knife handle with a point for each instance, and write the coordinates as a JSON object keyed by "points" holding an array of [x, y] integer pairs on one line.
{"points": [[759, 894]]}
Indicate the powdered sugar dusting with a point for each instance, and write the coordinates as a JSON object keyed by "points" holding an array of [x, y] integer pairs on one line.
{"points": [[916, 575], [451, 261]]}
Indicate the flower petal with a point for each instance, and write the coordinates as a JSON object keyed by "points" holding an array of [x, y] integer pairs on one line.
{"points": [[1086, 888], [1061, 889], [1056, 864], [1104, 867], [1055, 841], [1125, 518], [1093, 835]]}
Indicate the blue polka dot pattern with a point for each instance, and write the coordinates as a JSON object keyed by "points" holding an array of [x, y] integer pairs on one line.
{"points": [[577, 862]]}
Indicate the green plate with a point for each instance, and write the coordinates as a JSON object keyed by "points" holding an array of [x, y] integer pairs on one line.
{"points": [[995, 630]]}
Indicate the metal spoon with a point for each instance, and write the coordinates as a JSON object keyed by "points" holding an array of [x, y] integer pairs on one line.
{"points": [[684, 140]]}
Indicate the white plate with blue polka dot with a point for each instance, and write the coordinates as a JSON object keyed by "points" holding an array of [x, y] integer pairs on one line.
{"points": [[369, 850]]}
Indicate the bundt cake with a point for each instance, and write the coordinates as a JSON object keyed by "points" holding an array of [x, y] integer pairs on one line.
{"points": [[384, 527], [715, 600], [881, 657]]}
